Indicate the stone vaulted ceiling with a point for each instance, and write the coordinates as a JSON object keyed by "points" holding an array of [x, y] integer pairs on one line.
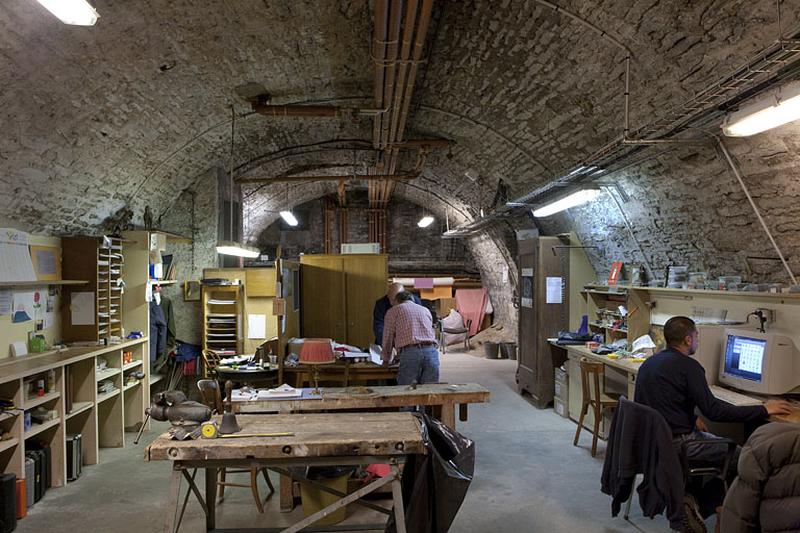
{"points": [[136, 109]]}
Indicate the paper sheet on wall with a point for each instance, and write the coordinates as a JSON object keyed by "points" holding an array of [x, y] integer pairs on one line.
{"points": [[24, 303], [15, 258], [46, 261], [82, 308], [6, 301], [256, 326], [49, 318], [553, 295]]}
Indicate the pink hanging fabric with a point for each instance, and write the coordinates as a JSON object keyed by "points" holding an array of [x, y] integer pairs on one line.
{"points": [[471, 303]]}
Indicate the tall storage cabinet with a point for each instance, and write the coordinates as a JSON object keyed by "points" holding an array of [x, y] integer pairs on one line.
{"points": [[543, 312], [339, 294]]}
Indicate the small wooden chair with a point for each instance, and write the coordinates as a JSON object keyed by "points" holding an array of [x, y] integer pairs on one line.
{"points": [[212, 397], [592, 395], [211, 361]]}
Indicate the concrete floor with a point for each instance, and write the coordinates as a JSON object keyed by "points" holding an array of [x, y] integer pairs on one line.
{"points": [[528, 478]]}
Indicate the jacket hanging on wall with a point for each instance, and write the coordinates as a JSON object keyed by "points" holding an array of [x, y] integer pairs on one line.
{"points": [[158, 331]]}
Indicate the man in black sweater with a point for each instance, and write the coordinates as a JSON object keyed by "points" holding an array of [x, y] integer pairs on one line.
{"points": [[674, 384]]}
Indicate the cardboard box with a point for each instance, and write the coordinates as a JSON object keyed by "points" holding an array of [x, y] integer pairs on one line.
{"points": [[444, 305], [279, 306], [560, 407]]}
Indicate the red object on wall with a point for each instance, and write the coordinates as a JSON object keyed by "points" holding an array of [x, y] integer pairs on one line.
{"points": [[616, 270]]}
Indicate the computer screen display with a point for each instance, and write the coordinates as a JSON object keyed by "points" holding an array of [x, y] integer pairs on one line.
{"points": [[744, 357]]}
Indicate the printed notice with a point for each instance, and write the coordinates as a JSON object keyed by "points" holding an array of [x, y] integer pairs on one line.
{"points": [[82, 308], [553, 295], [256, 326]]}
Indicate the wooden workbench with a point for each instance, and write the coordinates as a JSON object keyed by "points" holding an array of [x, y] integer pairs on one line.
{"points": [[318, 439], [444, 397], [345, 372]]}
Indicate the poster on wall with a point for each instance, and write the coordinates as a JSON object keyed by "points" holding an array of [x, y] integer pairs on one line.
{"points": [[554, 292], [24, 305], [526, 297]]}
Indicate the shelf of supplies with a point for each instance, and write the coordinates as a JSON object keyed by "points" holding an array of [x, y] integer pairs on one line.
{"points": [[38, 428], [79, 407], [707, 292], [155, 378], [130, 385], [39, 283], [8, 444], [103, 397], [30, 403], [107, 373], [132, 364]]}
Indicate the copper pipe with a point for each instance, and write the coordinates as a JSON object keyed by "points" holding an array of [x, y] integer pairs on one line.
{"points": [[419, 44], [292, 179], [297, 110], [379, 66], [408, 33], [392, 48]]}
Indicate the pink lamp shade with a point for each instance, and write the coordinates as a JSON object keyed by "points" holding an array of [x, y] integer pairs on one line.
{"points": [[317, 351]]}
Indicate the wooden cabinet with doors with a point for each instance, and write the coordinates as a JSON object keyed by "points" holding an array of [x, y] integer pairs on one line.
{"points": [[543, 312], [339, 294]]}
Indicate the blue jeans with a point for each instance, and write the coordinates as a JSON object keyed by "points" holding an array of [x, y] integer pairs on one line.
{"points": [[418, 364]]}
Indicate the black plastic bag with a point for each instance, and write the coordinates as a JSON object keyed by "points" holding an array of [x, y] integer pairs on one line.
{"points": [[434, 485]]}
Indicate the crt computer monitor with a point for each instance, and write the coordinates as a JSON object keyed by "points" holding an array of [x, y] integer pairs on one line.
{"points": [[764, 363]]}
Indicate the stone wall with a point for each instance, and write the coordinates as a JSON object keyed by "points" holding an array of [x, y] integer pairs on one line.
{"points": [[411, 249], [192, 215]]}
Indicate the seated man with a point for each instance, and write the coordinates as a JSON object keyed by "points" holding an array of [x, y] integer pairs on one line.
{"points": [[674, 384], [383, 305], [409, 329]]}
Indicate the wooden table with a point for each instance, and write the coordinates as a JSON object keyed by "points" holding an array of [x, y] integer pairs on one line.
{"points": [[443, 397], [318, 440]]}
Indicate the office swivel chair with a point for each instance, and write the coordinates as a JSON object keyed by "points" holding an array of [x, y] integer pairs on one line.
{"points": [[689, 471]]}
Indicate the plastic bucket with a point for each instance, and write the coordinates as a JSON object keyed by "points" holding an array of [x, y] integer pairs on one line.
{"points": [[508, 350], [314, 499], [491, 350]]}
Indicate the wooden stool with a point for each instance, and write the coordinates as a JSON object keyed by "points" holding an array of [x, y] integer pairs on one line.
{"points": [[598, 400]]}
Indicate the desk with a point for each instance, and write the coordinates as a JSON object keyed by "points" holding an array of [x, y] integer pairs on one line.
{"points": [[345, 372], [248, 375], [442, 396], [319, 440]]}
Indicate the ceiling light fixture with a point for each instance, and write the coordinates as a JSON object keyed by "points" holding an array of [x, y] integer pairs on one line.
{"points": [[425, 221], [289, 218], [231, 247], [72, 12], [573, 200], [774, 109], [239, 250]]}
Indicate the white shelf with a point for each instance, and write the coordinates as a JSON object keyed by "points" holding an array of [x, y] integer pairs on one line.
{"points": [[79, 407], [8, 444], [38, 428], [164, 281], [132, 364], [155, 378], [107, 373], [30, 403], [130, 386], [40, 283], [103, 397], [7, 415]]}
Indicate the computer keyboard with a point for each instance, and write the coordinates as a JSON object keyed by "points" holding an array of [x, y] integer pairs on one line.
{"points": [[733, 398]]}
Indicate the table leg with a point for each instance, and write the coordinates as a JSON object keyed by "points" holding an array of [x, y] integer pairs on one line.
{"points": [[286, 494], [211, 498], [172, 500], [397, 498], [463, 413], [448, 417]]}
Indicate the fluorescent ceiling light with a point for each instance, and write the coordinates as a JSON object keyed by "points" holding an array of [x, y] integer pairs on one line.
{"points": [[73, 12], [237, 249], [573, 200], [289, 218], [769, 111], [425, 221]]}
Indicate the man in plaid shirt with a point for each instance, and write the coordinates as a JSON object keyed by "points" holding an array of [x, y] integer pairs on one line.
{"points": [[408, 327]]}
